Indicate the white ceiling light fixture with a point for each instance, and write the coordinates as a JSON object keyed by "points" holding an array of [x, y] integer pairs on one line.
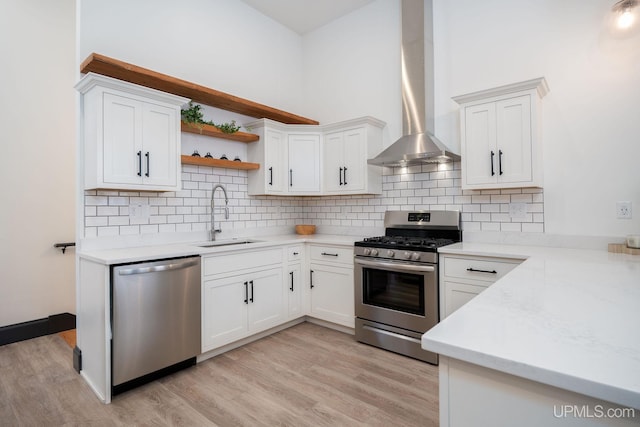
{"points": [[626, 13]]}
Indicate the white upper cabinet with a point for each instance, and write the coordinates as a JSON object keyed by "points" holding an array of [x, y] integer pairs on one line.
{"points": [[289, 158], [304, 163], [275, 161], [315, 160], [500, 133], [346, 147], [131, 136]]}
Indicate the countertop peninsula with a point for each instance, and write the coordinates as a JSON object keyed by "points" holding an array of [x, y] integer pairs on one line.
{"points": [[568, 318]]}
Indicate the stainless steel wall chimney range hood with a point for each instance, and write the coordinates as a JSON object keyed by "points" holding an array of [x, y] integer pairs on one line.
{"points": [[418, 144]]}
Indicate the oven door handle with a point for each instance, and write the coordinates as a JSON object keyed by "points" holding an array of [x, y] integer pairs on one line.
{"points": [[397, 266]]}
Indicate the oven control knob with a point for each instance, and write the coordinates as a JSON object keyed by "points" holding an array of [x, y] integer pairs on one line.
{"points": [[406, 255], [374, 252], [415, 256], [367, 251], [391, 254]]}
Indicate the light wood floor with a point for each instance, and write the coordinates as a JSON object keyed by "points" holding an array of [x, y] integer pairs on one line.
{"points": [[306, 375]]}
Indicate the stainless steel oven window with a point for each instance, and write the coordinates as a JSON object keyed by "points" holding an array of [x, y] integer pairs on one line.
{"points": [[399, 291]]}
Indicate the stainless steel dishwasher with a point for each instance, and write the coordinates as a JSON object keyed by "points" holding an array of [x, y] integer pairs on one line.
{"points": [[155, 319]]}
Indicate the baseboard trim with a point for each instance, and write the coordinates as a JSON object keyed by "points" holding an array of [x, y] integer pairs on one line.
{"points": [[37, 328]]}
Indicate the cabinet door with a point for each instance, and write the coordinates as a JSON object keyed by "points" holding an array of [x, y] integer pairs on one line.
{"points": [[266, 299], [294, 291], [332, 296], [458, 294], [513, 136], [159, 145], [122, 140], [224, 311], [479, 139], [275, 164], [304, 163], [333, 164], [354, 159]]}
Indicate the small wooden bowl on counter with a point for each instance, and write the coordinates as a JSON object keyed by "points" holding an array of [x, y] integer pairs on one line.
{"points": [[305, 229]]}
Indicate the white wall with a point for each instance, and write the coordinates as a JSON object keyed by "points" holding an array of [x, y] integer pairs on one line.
{"points": [[352, 67], [37, 166], [591, 116], [222, 44]]}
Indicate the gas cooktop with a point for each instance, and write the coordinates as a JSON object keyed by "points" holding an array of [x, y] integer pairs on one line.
{"points": [[405, 242], [424, 231]]}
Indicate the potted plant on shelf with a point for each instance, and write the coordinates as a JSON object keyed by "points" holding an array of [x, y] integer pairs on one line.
{"points": [[193, 117]]}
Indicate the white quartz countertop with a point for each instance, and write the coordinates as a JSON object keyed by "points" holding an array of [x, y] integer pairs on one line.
{"points": [[569, 318], [175, 250]]}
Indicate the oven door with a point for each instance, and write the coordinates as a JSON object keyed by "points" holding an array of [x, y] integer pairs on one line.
{"points": [[397, 293]]}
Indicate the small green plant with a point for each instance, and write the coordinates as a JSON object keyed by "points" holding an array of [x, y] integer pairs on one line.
{"points": [[228, 127], [193, 115]]}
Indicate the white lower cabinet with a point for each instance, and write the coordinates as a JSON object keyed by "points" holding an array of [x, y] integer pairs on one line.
{"points": [[332, 294], [294, 291], [294, 283], [238, 303], [464, 277], [247, 292], [235, 307], [458, 294], [331, 284]]}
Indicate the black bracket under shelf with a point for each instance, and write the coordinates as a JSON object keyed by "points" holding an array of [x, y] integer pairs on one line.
{"points": [[64, 246]]}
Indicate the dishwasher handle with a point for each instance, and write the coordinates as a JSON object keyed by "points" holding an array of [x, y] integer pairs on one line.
{"points": [[157, 268]]}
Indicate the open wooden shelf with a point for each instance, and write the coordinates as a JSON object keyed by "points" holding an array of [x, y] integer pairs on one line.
{"points": [[111, 67], [208, 130], [218, 163]]}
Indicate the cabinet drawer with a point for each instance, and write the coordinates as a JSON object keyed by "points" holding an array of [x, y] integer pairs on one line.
{"points": [[478, 269], [294, 253], [340, 255], [218, 264]]}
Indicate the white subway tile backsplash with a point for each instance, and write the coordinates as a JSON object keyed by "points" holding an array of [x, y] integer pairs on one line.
{"points": [[428, 186], [533, 227]]}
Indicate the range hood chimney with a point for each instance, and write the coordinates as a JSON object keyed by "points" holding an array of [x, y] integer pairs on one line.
{"points": [[418, 144]]}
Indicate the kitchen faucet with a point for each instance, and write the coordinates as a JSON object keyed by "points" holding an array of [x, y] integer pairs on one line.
{"points": [[213, 209]]}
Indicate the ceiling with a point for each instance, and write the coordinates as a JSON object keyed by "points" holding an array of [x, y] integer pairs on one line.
{"points": [[303, 16]]}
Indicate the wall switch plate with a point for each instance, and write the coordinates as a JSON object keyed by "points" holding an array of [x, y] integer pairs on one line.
{"points": [[623, 210], [517, 210]]}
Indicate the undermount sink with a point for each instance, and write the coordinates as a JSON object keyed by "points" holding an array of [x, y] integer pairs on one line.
{"points": [[227, 243]]}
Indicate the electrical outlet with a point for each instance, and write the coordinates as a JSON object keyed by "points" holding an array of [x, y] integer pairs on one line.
{"points": [[517, 210], [138, 213], [623, 210]]}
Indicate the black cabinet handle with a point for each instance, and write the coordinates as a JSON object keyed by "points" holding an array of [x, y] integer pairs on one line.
{"points": [[311, 278], [291, 274], [340, 176], [345, 175], [482, 271], [492, 156], [271, 176], [500, 161], [251, 282], [290, 177], [147, 156], [246, 292], [139, 163], [295, 253], [328, 254]]}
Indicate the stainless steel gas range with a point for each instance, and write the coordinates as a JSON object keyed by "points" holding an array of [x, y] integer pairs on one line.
{"points": [[396, 280]]}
